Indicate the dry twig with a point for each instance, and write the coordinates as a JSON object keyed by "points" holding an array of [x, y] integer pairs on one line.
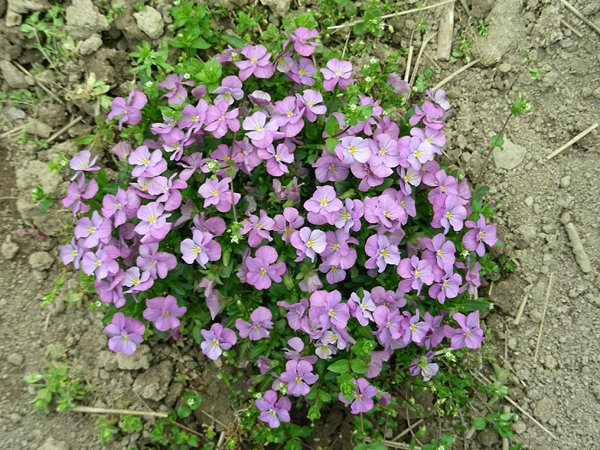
{"points": [[521, 308], [570, 27], [418, 422], [39, 83], [444, 42], [581, 16], [68, 126], [390, 16], [450, 77], [572, 141], [539, 338], [428, 37], [408, 61]]}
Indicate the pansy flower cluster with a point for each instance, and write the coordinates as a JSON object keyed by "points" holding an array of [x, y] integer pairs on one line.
{"points": [[298, 218]]}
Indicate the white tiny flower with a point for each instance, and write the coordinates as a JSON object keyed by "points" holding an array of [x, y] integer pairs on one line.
{"points": [[186, 76], [234, 56], [352, 107], [98, 304], [258, 395], [464, 253], [179, 34], [366, 66], [491, 306], [368, 79], [235, 239], [148, 83], [382, 26], [373, 60], [190, 402], [219, 376], [448, 355], [385, 113]]}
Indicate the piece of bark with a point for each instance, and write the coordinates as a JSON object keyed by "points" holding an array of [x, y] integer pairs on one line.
{"points": [[444, 47]]}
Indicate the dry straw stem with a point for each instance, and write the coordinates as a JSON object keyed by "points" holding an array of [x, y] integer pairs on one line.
{"points": [[393, 444], [428, 37], [482, 378], [394, 15], [570, 27], [14, 130], [444, 42], [572, 141], [417, 423], [408, 61], [505, 444], [39, 83], [581, 16], [539, 338], [521, 308], [450, 77], [68, 126]]}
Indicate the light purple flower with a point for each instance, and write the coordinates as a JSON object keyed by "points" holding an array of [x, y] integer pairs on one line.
{"points": [[76, 192], [217, 193], [168, 191], [430, 115], [416, 331], [296, 312], [308, 243], [101, 263], [163, 311], [362, 397], [190, 164], [400, 86], [312, 100], [310, 283], [324, 206], [114, 206], [350, 215], [194, 116], [257, 228], [448, 287], [298, 376], [361, 308], [129, 109], [334, 274], [381, 253], [337, 72], [273, 411], [71, 252], [261, 269], [147, 164], [300, 39], [353, 149], [216, 340], [439, 98], [417, 272], [441, 250], [93, 230], [153, 222], [257, 64], [448, 213], [329, 168], [230, 90], [389, 323], [136, 280], [157, 263], [175, 85], [276, 159], [122, 150], [327, 309], [219, 120], [469, 335], [419, 152], [111, 291], [287, 223], [384, 150], [81, 163], [259, 131], [481, 233], [126, 332], [337, 252], [385, 211], [201, 248], [260, 326], [424, 366], [213, 225]]}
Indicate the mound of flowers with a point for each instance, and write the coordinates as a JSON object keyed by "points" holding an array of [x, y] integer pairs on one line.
{"points": [[266, 209]]}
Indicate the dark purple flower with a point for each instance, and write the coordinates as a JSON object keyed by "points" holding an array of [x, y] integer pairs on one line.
{"points": [[129, 109], [260, 326], [424, 366], [76, 192], [362, 397], [201, 248], [481, 233], [337, 72], [261, 269], [126, 332], [273, 411], [163, 311], [298, 376], [216, 340], [175, 85]]}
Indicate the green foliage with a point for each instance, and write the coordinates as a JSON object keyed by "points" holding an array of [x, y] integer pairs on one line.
{"points": [[46, 29], [39, 196], [58, 383]]}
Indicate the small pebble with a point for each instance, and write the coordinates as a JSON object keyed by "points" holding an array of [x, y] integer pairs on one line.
{"points": [[565, 182], [15, 359], [529, 201]]}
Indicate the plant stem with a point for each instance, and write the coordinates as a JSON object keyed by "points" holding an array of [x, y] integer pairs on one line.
{"points": [[489, 154], [231, 178]]}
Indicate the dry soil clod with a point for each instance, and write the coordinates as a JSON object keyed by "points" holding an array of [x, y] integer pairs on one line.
{"points": [[580, 255]]}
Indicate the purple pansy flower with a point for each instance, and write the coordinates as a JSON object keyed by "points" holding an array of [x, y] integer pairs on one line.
{"points": [[201, 248], [167, 191], [153, 222], [81, 163], [350, 214], [276, 159], [76, 192], [217, 193], [287, 223], [448, 213], [430, 115], [114, 206], [126, 332], [130, 108], [229, 91], [216, 340], [163, 311], [219, 120], [257, 228], [273, 411], [300, 39], [312, 102], [481, 233], [327, 309], [93, 230], [337, 72], [308, 243], [71, 252], [261, 269], [296, 312], [424, 366], [324, 206], [469, 335], [381, 253], [258, 63], [259, 131], [361, 308], [260, 326], [400, 86], [361, 398], [439, 98], [175, 85], [448, 287], [417, 272], [102, 262], [157, 263], [298, 376], [147, 164]]}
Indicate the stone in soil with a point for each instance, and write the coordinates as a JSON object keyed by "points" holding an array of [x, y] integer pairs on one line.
{"points": [[13, 76], [154, 383], [150, 22], [509, 156], [84, 19], [15, 359], [543, 410], [16, 113], [39, 129], [91, 44], [41, 260], [9, 249], [53, 444]]}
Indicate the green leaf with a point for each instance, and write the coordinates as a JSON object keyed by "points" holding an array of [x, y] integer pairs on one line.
{"points": [[45, 204], [111, 189], [475, 305], [200, 43], [232, 40], [325, 397], [184, 411], [479, 423], [358, 366], [33, 378], [340, 366], [332, 127], [331, 144], [85, 140], [498, 140], [359, 28]]}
